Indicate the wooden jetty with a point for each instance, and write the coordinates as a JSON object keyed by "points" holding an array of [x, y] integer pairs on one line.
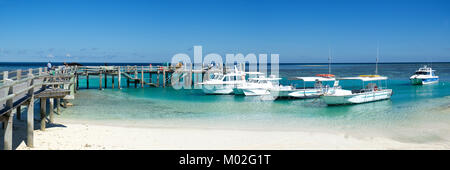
{"points": [[20, 89], [135, 75]]}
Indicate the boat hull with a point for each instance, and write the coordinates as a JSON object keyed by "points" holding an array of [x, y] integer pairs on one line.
{"points": [[357, 98], [298, 93], [238, 91], [424, 81], [255, 92], [217, 89]]}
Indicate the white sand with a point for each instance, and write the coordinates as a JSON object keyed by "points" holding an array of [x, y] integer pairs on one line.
{"points": [[94, 136]]}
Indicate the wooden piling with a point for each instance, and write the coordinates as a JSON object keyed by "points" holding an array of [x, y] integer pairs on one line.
{"points": [[18, 113], [157, 79], [135, 77], [65, 103], [58, 105], [119, 76], [30, 119], [112, 81], [100, 80], [78, 83], [190, 76], [142, 76], [51, 109], [8, 131], [43, 112], [87, 80], [30, 112], [150, 73], [164, 78], [106, 80]]}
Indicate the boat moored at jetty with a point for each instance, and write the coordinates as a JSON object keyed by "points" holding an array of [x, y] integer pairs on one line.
{"points": [[259, 86], [223, 84], [424, 75], [373, 91]]}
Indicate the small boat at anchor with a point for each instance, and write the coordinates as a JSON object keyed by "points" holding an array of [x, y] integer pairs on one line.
{"points": [[305, 92], [368, 93], [423, 76], [373, 91]]}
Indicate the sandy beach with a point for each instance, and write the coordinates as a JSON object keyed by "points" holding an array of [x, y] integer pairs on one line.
{"points": [[90, 136]]}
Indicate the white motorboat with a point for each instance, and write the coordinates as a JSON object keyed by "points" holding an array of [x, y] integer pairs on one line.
{"points": [[259, 86], [223, 84], [370, 92], [239, 91], [305, 92], [424, 75]]}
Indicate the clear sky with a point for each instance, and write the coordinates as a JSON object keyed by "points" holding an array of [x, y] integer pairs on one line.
{"points": [[153, 31]]}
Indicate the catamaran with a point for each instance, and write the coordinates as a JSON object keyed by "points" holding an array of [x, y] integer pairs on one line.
{"points": [[370, 92], [424, 75]]}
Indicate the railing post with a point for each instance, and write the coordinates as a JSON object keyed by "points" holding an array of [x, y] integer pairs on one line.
{"points": [[9, 120], [5, 76], [19, 74]]}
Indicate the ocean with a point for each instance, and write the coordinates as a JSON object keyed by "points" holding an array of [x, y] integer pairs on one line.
{"points": [[416, 114]]}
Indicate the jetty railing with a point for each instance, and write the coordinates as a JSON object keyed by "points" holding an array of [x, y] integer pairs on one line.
{"points": [[21, 88]]}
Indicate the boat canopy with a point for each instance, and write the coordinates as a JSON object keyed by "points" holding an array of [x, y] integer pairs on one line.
{"points": [[264, 78], [233, 74], [315, 78], [257, 73], [365, 78]]}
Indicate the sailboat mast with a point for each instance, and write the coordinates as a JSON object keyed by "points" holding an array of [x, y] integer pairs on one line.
{"points": [[376, 64], [329, 60]]}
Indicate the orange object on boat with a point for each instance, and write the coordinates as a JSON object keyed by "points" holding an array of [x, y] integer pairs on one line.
{"points": [[325, 75], [369, 75]]}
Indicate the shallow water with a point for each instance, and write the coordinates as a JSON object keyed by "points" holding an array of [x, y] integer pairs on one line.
{"points": [[418, 114]]}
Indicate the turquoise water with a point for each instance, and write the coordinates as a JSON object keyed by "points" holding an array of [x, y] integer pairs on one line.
{"points": [[418, 114]]}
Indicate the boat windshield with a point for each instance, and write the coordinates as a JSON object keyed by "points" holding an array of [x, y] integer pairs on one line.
{"points": [[421, 73], [218, 77]]}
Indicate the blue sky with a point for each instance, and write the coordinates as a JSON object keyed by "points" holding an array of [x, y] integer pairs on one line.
{"points": [[153, 31]]}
